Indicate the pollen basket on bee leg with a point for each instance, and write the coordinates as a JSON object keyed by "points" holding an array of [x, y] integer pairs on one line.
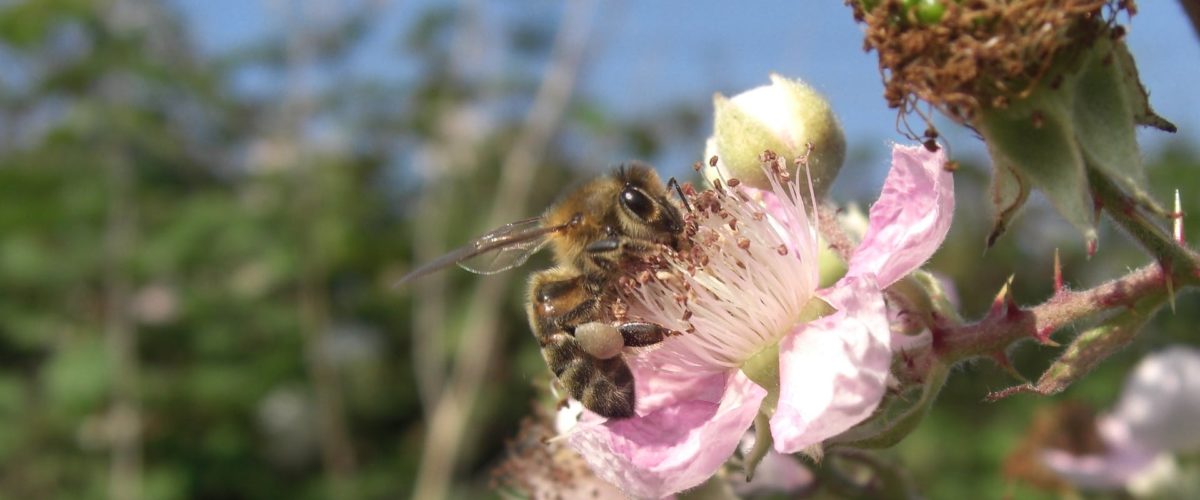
{"points": [[601, 340]]}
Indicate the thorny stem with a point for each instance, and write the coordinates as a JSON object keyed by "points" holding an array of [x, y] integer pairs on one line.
{"points": [[1182, 263], [1178, 267], [1008, 323]]}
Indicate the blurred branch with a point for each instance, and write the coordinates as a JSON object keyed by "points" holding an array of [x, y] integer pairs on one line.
{"points": [[125, 470], [448, 423], [337, 448], [124, 419], [429, 306]]}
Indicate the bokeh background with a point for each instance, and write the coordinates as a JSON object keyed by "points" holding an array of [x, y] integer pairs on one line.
{"points": [[204, 206]]}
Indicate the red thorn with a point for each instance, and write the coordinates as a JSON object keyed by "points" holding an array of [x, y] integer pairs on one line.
{"points": [[992, 397], [1012, 310], [1058, 275], [1043, 337], [1177, 223], [1001, 358], [906, 358], [1092, 245], [937, 337], [1000, 303]]}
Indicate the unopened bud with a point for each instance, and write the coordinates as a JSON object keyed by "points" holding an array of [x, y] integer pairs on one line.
{"points": [[785, 117]]}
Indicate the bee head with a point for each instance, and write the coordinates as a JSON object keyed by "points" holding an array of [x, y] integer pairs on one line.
{"points": [[645, 211]]}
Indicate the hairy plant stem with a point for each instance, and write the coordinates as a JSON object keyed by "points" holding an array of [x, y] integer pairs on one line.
{"points": [[1175, 271], [1182, 263]]}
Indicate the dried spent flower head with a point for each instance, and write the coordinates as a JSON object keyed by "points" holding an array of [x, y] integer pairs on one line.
{"points": [[1129, 448], [979, 54], [540, 467], [1070, 426]]}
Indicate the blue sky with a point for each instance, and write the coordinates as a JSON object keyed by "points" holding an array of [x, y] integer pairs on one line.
{"points": [[655, 52]]}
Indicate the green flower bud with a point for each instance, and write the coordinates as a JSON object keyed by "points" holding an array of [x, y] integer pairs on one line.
{"points": [[785, 117]]}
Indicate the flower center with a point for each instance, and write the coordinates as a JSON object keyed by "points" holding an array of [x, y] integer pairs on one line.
{"points": [[745, 281]]}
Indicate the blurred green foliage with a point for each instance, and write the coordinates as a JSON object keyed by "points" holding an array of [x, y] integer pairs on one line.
{"points": [[251, 260], [145, 195]]}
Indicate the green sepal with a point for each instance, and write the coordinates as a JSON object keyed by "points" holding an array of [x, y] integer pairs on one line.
{"points": [[1035, 138], [938, 299], [762, 445]]}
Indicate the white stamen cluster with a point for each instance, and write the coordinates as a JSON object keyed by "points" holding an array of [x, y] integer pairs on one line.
{"points": [[744, 280]]}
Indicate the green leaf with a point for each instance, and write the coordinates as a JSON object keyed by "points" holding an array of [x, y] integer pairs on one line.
{"points": [[1104, 123], [78, 376], [1036, 139], [1135, 93]]}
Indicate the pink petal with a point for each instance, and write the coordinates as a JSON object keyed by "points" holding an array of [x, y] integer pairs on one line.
{"points": [[674, 447], [1123, 461], [659, 383], [1161, 401], [1097, 472], [833, 371], [911, 218]]}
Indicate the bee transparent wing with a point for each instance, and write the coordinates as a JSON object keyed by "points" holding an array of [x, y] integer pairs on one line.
{"points": [[507, 247], [502, 249]]}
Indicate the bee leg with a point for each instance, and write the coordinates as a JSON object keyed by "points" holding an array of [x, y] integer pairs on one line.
{"points": [[560, 302], [642, 334]]}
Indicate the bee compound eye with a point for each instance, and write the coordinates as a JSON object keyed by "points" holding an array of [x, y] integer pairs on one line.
{"points": [[637, 202], [601, 340]]}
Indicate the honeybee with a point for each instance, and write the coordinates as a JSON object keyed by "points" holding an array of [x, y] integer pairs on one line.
{"points": [[596, 232]]}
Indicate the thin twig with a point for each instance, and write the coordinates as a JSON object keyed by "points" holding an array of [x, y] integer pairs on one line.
{"points": [[447, 426], [125, 470], [120, 331], [453, 150], [312, 306]]}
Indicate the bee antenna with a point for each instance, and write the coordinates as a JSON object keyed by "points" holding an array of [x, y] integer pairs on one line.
{"points": [[675, 184]]}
